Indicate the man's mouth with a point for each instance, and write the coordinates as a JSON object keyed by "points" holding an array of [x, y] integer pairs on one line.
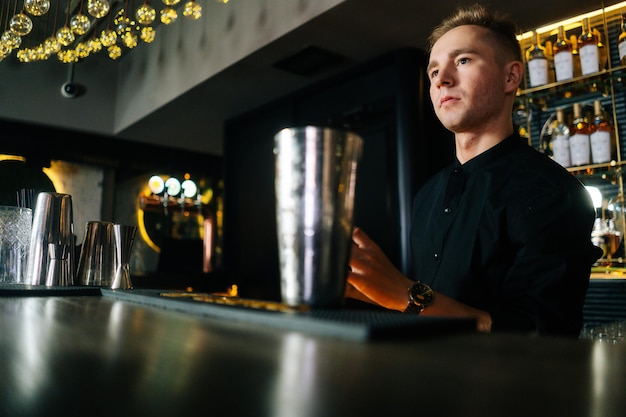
{"points": [[445, 99]]}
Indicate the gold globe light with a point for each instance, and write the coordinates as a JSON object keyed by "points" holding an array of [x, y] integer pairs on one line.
{"points": [[51, 45], [40, 53], [23, 55], [98, 8], [11, 40], [80, 24], [145, 14], [168, 15], [65, 36], [192, 10], [82, 50], [21, 24], [27, 55], [148, 34], [129, 39], [123, 29], [114, 52], [67, 56], [4, 50], [108, 37], [123, 24], [37, 7], [94, 45]]}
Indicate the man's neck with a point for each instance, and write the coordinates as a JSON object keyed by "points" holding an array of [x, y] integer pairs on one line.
{"points": [[470, 145]]}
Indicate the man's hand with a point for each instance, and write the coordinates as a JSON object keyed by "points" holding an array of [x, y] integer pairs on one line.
{"points": [[372, 277]]}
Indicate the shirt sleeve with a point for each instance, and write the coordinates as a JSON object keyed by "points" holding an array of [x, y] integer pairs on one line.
{"points": [[544, 290]]}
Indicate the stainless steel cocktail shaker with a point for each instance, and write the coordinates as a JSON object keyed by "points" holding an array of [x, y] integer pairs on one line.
{"points": [[315, 185], [51, 253]]}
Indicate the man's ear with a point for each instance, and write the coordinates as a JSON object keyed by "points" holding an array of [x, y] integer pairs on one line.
{"points": [[515, 72]]}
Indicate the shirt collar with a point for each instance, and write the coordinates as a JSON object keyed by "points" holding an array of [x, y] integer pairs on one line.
{"points": [[492, 154]]}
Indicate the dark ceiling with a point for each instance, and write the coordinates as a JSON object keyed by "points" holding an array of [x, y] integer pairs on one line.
{"points": [[356, 31], [351, 33]]}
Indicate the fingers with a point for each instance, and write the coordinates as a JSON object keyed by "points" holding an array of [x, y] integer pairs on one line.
{"points": [[360, 238], [355, 236], [359, 259], [365, 253]]}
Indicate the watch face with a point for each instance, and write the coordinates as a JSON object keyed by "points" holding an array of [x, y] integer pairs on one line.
{"points": [[421, 294]]}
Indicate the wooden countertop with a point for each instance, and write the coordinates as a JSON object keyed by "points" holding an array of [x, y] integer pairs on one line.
{"points": [[96, 356], [608, 275], [607, 272]]}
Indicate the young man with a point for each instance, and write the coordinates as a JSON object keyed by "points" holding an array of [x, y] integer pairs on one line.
{"points": [[503, 234]]}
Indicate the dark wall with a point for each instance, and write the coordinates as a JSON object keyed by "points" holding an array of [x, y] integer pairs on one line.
{"points": [[41, 144], [121, 159], [386, 102]]}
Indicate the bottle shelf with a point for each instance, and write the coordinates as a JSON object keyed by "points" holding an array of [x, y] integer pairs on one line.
{"points": [[588, 84], [600, 171], [537, 107]]}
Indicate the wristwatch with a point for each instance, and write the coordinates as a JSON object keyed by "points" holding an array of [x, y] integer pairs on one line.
{"points": [[420, 297]]}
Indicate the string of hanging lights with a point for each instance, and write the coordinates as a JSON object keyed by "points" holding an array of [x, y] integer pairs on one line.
{"points": [[75, 30]]}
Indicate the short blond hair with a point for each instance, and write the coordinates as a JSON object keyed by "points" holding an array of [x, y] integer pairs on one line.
{"points": [[503, 29]]}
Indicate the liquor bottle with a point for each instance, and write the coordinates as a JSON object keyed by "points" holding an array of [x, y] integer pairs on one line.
{"points": [[573, 40], [560, 140], [550, 56], [537, 62], [563, 59], [604, 56], [621, 42], [600, 136], [580, 149], [588, 49]]}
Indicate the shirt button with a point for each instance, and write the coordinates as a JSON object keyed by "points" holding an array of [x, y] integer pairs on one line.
{"points": [[447, 210], [457, 170], [436, 256]]}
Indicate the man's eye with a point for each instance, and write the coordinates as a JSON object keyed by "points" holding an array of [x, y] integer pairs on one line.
{"points": [[463, 60], [433, 74]]}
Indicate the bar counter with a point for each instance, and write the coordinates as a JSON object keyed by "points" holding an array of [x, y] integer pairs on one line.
{"points": [[97, 356]]}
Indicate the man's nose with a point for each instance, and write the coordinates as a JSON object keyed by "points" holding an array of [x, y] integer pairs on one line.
{"points": [[444, 77]]}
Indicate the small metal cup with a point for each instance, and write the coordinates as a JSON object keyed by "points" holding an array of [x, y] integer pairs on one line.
{"points": [[96, 265], [315, 185]]}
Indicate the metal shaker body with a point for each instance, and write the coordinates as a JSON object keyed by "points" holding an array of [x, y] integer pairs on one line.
{"points": [[96, 265], [52, 228], [315, 185]]}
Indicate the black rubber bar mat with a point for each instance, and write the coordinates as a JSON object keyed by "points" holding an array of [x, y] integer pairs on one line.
{"points": [[25, 290], [359, 325]]}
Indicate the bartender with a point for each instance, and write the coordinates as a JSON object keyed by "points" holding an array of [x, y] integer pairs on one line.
{"points": [[502, 235]]}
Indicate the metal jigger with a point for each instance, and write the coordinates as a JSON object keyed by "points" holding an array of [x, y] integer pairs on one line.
{"points": [[59, 270], [51, 255], [124, 237], [315, 185]]}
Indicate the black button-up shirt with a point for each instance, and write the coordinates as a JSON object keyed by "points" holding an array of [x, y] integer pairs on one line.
{"points": [[508, 232]]}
